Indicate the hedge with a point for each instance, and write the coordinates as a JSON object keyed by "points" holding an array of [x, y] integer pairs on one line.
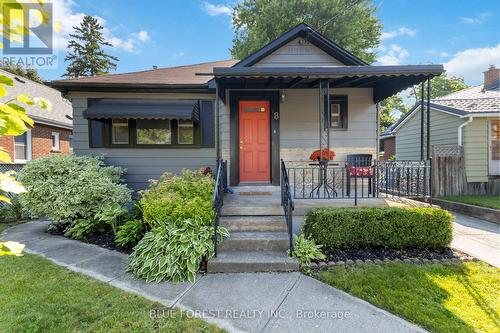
{"points": [[379, 227]]}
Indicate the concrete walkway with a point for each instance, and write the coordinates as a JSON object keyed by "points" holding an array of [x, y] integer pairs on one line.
{"points": [[264, 302], [478, 238]]}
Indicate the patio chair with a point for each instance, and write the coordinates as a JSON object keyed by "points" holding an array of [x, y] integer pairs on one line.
{"points": [[359, 166]]}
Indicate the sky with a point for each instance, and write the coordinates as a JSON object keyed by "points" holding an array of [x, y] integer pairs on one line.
{"points": [[464, 35]]}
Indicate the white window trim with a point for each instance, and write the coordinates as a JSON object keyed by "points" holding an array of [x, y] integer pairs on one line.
{"points": [[57, 147], [28, 149], [493, 170]]}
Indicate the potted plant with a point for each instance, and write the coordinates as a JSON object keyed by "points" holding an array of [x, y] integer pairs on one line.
{"points": [[328, 155]]}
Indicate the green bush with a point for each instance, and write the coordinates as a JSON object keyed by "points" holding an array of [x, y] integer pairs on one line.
{"points": [[379, 227], [14, 211], [306, 250], [130, 233], [177, 198], [173, 252], [73, 191]]}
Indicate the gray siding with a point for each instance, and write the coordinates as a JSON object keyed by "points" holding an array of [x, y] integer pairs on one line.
{"points": [[444, 131], [298, 54], [141, 164]]}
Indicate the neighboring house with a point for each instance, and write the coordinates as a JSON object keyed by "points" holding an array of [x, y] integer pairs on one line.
{"points": [[469, 118], [252, 112], [52, 130], [387, 145]]}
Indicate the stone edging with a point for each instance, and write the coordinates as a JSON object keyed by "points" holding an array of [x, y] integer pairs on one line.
{"points": [[484, 213], [322, 265]]}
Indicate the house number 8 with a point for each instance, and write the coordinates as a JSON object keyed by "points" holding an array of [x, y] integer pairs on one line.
{"points": [[276, 116]]}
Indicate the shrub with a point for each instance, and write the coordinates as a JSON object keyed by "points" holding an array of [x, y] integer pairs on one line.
{"points": [[306, 250], [130, 233], [384, 227], [178, 198], [173, 252], [14, 211], [72, 190]]}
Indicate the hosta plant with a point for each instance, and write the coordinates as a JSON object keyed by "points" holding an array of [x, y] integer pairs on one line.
{"points": [[306, 250], [173, 252], [130, 233]]}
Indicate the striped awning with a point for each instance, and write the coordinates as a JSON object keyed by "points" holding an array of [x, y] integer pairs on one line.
{"points": [[143, 109]]}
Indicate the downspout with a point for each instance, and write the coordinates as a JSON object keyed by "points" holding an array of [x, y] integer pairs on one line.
{"points": [[460, 134]]}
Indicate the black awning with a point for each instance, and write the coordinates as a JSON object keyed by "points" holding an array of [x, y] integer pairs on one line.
{"points": [[143, 109]]}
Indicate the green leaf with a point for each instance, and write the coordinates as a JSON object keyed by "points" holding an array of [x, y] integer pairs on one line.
{"points": [[26, 99], [6, 80]]}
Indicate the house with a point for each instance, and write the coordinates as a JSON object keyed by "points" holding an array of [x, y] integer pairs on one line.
{"points": [[298, 93], [469, 118], [387, 145], [52, 130]]}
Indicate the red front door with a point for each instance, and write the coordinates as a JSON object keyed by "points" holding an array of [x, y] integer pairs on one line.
{"points": [[255, 143]]}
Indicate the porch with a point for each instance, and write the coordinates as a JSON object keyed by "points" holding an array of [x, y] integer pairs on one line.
{"points": [[266, 115]]}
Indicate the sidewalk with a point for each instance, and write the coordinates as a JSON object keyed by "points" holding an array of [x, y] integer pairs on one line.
{"points": [[478, 238], [265, 302]]}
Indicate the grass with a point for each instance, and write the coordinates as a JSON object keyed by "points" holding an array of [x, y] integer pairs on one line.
{"points": [[490, 201], [439, 297], [38, 296]]}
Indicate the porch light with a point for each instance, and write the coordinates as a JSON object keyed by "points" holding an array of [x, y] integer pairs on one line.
{"points": [[282, 96]]}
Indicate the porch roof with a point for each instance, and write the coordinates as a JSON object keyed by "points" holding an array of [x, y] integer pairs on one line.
{"points": [[385, 80]]}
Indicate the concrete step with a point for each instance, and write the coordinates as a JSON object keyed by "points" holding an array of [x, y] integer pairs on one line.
{"points": [[253, 223], [252, 261], [255, 241], [252, 210]]}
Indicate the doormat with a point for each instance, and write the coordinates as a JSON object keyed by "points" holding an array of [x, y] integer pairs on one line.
{"points": [[255, 193]]}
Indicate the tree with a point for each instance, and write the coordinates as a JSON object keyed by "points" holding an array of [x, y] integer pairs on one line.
{"points": [[440, 86], [350, 23], [87, 56], [387, 108], [29, 73]]}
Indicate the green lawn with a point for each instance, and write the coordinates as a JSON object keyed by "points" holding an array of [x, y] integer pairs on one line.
{"points": [[490, 201], [439, 297], [38, 296]]}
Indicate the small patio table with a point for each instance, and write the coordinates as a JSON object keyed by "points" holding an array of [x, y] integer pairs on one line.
{"points": [[323, 179]]}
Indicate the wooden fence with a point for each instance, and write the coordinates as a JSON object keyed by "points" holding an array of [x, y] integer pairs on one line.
{"points": [[448, 174]]}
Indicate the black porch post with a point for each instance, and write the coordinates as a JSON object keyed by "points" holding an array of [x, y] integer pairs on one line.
{"points": [[217, 126], [422, 121], [428, 118]]}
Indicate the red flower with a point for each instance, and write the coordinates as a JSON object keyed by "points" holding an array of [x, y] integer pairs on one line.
{"points": [[207, 171], [327, 155]]}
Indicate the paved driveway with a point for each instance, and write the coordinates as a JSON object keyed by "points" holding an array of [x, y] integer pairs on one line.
{"points": [[478, 238], [260, 302]]}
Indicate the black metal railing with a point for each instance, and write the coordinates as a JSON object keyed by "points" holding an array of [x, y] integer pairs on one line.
{"points": [[218, 196], [411, 179], [287, 203], [359, 178]]}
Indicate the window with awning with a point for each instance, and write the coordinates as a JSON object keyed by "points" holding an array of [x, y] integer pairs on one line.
{"points": [[139, 123]]}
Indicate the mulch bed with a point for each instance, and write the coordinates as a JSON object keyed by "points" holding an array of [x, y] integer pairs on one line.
{"points": [[105, 240], [373, 253]]}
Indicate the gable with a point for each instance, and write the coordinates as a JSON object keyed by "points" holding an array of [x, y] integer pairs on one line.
{"points": [[302, 32], [298, 52]]}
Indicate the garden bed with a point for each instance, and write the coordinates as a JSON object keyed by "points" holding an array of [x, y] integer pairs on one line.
{"points": [[105, 240], [373, 253]]}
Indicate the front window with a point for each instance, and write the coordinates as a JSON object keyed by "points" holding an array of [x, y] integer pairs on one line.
{"points": [[119, 132], [335, 117], [21, 147], [185, 130], [56, 146], [153, 132], [338, 112]]}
